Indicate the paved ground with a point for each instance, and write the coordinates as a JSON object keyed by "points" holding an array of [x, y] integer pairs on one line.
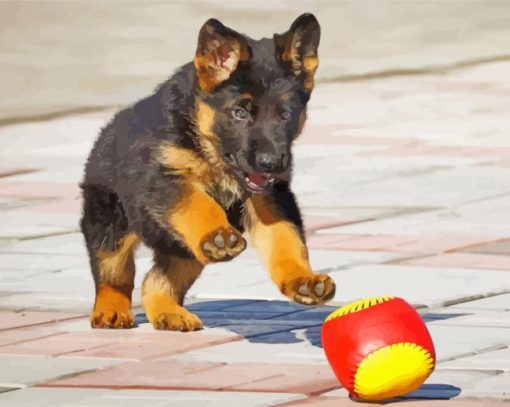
{"points": [[72, 55], [405, 186]]}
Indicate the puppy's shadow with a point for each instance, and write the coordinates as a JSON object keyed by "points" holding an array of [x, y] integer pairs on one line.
{"points": [[271, 322], [281, 322], [261, 321]]}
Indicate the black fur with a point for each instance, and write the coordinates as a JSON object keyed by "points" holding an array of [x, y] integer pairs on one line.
{"points": [[125, 189]]}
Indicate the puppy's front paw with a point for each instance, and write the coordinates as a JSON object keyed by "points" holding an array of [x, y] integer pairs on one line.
{"points": [[311, 289], [222, 244], [179, 320]]}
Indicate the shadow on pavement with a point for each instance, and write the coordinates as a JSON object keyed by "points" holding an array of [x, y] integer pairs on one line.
{"points": [[272, 322], [426, 392]]}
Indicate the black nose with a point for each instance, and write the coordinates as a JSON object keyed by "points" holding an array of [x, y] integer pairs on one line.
{"points": [[269, 162]]}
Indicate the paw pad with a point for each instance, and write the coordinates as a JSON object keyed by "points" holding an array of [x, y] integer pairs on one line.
{"points": [[313, 289], [223, 244]]}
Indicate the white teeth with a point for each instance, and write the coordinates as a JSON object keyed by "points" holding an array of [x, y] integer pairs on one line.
{"points": [[252, 184]]}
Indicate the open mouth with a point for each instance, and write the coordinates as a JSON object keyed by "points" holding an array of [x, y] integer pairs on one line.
{"points": [[257, 181]]}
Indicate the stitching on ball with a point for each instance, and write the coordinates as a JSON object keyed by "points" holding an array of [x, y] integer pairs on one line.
{"points": [[357, 306], [427, 358]]}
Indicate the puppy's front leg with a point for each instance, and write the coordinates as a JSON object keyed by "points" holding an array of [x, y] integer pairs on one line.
{"points": [[280, 244], [203, 227]]}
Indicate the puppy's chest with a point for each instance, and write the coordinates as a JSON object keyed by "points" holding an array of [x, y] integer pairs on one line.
{"points": [[211, 175], [224, 189]]}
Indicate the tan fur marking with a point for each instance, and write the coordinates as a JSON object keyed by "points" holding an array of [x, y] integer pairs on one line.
{"points": [[163, 290], [211, 70], [308, 65], [205, 118], [118, 267], [247, 96], [301, 121], [195, 216], [184, 162], [112, 307], [115, 298], [311, 63], [277, 241], [223, 186]]}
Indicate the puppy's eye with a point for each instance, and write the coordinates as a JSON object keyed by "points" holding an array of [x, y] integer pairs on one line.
{"points": [[239, 113], [286, 114]]}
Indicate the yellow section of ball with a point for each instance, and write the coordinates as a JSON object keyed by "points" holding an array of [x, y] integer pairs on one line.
{"points": [[357, 306], [392, 371]]}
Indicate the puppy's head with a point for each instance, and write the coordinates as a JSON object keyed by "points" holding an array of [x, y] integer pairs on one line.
{"points": [[252, 96]]}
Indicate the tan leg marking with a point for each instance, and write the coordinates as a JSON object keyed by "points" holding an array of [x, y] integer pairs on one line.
{"points": [[204, 228], [285, 255], [112, 308], [163, 292], [118, 267]]}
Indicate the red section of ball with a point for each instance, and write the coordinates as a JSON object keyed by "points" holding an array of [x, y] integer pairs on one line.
{"points": [[348, 339]]}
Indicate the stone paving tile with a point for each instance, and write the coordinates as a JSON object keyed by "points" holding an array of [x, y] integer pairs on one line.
{"points": [[12, 336], [56, 282], [502, 247], [55, 345], [48, 301], [249, 329], [226, 281], [209, 305], [9, 319], [435, 188], [39, 189], [38, 262], [8, 203], [461, 378], [56, 397], [390, 243], [294, 349], [280, 307], [25, 223], [71, 244], [340, 402], [315, 314], [311, 381], [477, 218], [322, 402], [497, 387], [463, 260], [418, 285], [155, 374], [179, 374], [490, 360], [496, 302], [478, 319], [23, 370], [452, 341], [6, 389], [140, 346], [442, 384], [313, 223], [9, 172]]}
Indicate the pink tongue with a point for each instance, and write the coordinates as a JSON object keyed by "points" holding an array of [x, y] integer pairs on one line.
{"points": [[258, 178]]}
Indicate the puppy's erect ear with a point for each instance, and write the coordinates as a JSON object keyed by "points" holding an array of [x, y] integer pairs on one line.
{"points": [[219, 52], [297, 48]]}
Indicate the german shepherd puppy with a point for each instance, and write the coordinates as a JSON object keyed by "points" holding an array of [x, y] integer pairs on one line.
{"points": [[190, 168]]}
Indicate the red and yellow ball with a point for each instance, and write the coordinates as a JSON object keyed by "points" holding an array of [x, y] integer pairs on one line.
{"points": [[378, 348]]}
